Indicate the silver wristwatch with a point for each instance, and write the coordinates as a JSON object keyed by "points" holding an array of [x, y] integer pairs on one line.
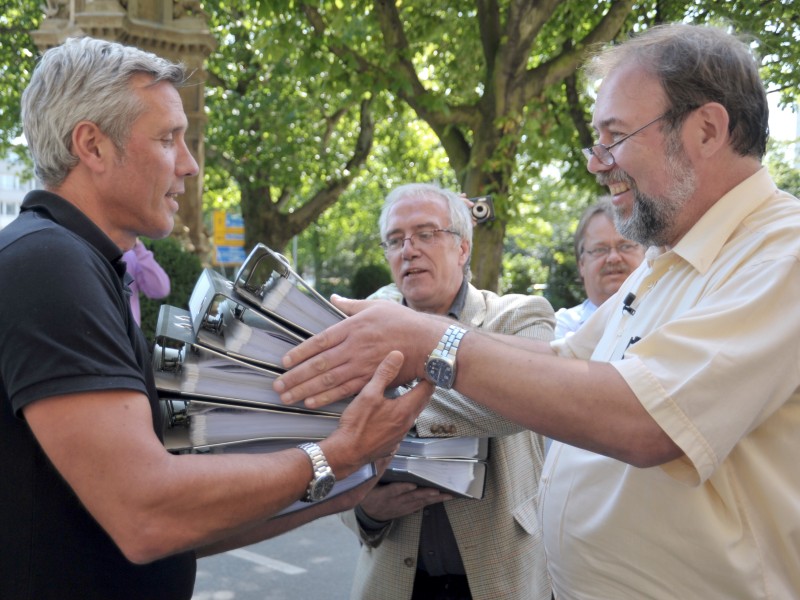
{"points": [[440, 368], [323, 480]]}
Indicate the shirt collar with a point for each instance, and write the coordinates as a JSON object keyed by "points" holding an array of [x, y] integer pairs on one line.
{"points": [[459, 301], [66, 214], [703, 242], [457, 307]]}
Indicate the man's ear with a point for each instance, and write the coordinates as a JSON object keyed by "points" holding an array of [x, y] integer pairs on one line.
{"points": [[710, 128], [92, 147], [465, 252]]}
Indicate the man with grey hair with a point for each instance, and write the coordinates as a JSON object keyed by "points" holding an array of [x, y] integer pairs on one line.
{"points": [[92, 506], [418, 542], [604, 259], [677, 404]]}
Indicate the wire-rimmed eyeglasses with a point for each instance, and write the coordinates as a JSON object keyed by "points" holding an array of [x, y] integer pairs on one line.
{"points": [[423, 237], [603, 153], [603, 251]]}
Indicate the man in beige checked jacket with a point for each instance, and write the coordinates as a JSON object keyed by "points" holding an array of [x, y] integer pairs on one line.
{"points": [[419, 543]]}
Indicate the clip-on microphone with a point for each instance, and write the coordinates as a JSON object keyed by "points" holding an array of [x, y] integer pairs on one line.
{"points": [[626, 303]]}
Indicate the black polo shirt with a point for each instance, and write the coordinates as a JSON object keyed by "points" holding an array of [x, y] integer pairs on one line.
{"points": [[65, 327]]}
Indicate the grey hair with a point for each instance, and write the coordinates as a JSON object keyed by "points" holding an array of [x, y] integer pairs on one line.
{"points": [[459, 213], [603, 206], [697, 64], [85, 79]]}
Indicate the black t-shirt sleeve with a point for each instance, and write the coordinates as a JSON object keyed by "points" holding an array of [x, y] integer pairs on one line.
{"points": [[65, 320]]}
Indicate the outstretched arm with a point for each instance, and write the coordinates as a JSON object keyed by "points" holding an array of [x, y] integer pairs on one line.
{"points": [[154, 504], [584, 403], [257, 532]]}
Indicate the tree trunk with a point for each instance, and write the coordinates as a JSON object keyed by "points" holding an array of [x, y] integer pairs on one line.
{"points": [[487, 255]]}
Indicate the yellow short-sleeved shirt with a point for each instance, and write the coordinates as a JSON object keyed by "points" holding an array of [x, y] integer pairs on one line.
{"points": [[712, 351]]}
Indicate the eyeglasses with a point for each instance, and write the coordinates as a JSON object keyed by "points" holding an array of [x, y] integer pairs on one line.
{"points": [[603, 153], [604, 251], [421, 239]]}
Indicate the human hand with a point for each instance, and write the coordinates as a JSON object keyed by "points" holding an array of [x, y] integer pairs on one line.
{"points": [[395, 500], [469, 204], [337, 362], [371, 427]]}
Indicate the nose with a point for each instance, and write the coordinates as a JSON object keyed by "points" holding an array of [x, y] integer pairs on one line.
{"points": [[409, 249], [594, 165], [186, 165]]}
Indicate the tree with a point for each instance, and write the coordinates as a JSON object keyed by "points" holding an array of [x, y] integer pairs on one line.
{"points": [[289, 133], [291, 144], [17, 59], [478, 108], [497, 80], [318, 107]]}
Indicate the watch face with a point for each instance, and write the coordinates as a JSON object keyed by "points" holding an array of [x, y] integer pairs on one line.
{"points": [[322, 487], [440, 372]]}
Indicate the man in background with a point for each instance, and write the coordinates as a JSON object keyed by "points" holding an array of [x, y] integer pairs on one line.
{"points": [[604, 259], [420, 543]]}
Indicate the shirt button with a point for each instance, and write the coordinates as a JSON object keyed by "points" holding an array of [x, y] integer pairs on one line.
{"points": [[409, 562]]}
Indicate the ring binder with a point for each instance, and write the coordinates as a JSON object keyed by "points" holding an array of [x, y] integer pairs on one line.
{"points": [[215, 364], [221, 320], [269, 283], [186, 368]]}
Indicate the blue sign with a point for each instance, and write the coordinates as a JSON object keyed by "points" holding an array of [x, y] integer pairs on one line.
{"points": [[229, 255]]}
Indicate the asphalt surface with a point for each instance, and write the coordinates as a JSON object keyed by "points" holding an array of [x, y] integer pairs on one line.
{"points": [[315, 561]]}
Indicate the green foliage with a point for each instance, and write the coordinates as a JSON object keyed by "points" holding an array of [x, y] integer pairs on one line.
{"points": [[17, 58], [369, 278], [183, 269], [783, 162], [284, 98], [538, 253]]}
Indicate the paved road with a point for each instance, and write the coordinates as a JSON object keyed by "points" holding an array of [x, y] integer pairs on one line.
{"points": [[313, 562]]}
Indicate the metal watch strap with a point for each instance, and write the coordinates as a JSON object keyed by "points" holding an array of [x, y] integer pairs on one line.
{"points": [[448, 345], [318, 462], [440, 366]]}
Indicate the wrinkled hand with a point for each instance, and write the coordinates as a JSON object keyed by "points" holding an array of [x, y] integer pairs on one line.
{"points": [[395, 500], [338, 362], [371, 427]]}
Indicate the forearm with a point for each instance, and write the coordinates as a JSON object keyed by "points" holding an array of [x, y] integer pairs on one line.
{"points": [[278, 525], [153, 503], [217, 502], [584, 403], [194, 501], [523, 343]]}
